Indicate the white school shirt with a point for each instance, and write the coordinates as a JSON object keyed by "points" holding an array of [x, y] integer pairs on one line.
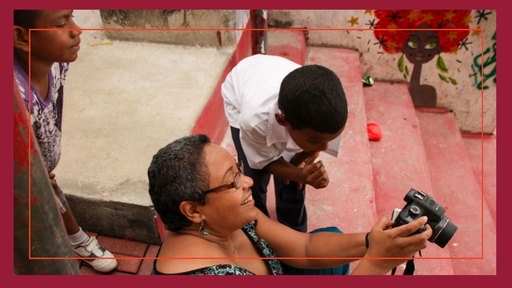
{"points": [[250, 94]]}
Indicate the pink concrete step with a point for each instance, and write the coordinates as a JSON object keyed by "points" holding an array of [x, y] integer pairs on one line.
{"points": [[481, 151], [399, 162], [473, 247]]}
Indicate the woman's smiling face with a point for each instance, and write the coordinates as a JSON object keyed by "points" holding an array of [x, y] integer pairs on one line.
{"points": [[231, 206]]}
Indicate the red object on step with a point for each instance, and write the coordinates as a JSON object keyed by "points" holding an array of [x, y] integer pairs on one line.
{"points": [[374, 133]]}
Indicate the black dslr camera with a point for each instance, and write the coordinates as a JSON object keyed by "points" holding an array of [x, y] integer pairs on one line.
{"points": [[420, 204]]}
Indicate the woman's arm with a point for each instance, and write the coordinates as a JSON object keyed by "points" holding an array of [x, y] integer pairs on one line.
{"points": [[384, 243]]}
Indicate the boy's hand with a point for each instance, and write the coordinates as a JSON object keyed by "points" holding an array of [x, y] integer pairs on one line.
{"points": [[315, 174], [311, 157]]}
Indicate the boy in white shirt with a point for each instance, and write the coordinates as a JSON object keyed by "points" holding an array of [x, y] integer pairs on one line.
{"points": [[281, 116]]}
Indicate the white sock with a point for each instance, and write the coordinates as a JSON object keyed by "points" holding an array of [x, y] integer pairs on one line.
{"points": [[78, 238]]}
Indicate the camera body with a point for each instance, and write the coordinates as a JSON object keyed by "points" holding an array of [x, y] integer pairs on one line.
{"points": [[418, 204]]}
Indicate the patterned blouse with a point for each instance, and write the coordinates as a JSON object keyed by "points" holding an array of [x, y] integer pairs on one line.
{"points": [[273, 264], [45, 115]]}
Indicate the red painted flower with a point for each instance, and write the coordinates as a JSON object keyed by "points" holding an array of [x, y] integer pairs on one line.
{"points": [[394, 26]]}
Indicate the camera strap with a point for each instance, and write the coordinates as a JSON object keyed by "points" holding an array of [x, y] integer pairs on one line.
{"points": [[409, 267]]}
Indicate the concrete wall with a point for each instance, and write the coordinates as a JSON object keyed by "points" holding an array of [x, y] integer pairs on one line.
{"points": [[451, 76], [172, 26]]}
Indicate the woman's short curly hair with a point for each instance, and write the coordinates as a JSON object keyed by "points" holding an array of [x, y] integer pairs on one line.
{"points": [[178, 173]]}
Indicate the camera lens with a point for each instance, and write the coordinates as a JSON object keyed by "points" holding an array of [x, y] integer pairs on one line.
{"points": [[443, 232]]}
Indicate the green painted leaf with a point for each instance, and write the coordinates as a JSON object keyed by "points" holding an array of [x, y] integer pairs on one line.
{"points": [[406, 70], [443, 78], [401, 63], [441, 65], [454, 82]]}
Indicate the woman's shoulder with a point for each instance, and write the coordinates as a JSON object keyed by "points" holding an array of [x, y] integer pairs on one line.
{"points": [[179, 246]]}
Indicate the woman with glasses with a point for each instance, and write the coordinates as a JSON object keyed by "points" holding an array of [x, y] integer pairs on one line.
{"points": [[205, 201]]}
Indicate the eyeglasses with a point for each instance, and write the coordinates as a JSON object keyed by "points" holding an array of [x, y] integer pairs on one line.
{"points": [[237, 181]]}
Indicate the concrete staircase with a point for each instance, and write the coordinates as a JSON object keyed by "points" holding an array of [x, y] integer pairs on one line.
{"points": [[420, 148]]}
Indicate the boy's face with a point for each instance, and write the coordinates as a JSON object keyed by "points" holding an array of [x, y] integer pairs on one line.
{"points": [[312, 141], [61, 44]]}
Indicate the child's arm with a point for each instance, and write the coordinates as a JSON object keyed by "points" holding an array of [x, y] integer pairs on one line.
{"points": [[257, 151]]}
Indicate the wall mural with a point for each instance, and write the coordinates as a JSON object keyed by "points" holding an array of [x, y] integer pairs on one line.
{"points": [[420, 36], [446, 57], [488, 67]]}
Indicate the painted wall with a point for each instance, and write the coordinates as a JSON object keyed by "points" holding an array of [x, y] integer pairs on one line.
{"points": [[447, 56]]}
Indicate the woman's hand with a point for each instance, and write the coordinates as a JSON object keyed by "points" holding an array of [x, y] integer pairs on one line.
{"points": [[398, 242], [397, 245]]}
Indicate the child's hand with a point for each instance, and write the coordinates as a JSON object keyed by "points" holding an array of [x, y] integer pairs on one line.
{"points": [[310, 159], [315, 174], [53, 181]]}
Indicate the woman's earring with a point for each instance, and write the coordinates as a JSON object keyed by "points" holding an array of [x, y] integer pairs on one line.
{"points": [[201, 229]]}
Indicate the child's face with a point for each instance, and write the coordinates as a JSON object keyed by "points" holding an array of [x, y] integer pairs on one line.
{"points": [[61, 44], [312, 141]]}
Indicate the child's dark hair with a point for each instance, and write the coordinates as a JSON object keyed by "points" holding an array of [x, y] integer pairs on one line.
{"points": [[312, 97], [26, 18]]}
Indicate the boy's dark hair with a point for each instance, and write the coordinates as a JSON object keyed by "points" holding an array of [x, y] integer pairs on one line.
{"points": [[26, 18], [312, 97], [178, 173]]}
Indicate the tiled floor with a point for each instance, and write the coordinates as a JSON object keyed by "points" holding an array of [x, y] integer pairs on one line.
{"points": [[134, 258]]}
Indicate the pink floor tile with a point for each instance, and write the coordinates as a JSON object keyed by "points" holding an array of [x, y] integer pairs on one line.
{"points": [[125, 247], [147, 264], [129, 265]]}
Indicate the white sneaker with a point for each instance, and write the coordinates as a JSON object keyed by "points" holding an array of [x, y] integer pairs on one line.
{"points": [[91, 249]]}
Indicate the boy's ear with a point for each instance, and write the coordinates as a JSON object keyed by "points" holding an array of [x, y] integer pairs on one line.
{"points": [[281, 120], [21, 38], [192, 211]]}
